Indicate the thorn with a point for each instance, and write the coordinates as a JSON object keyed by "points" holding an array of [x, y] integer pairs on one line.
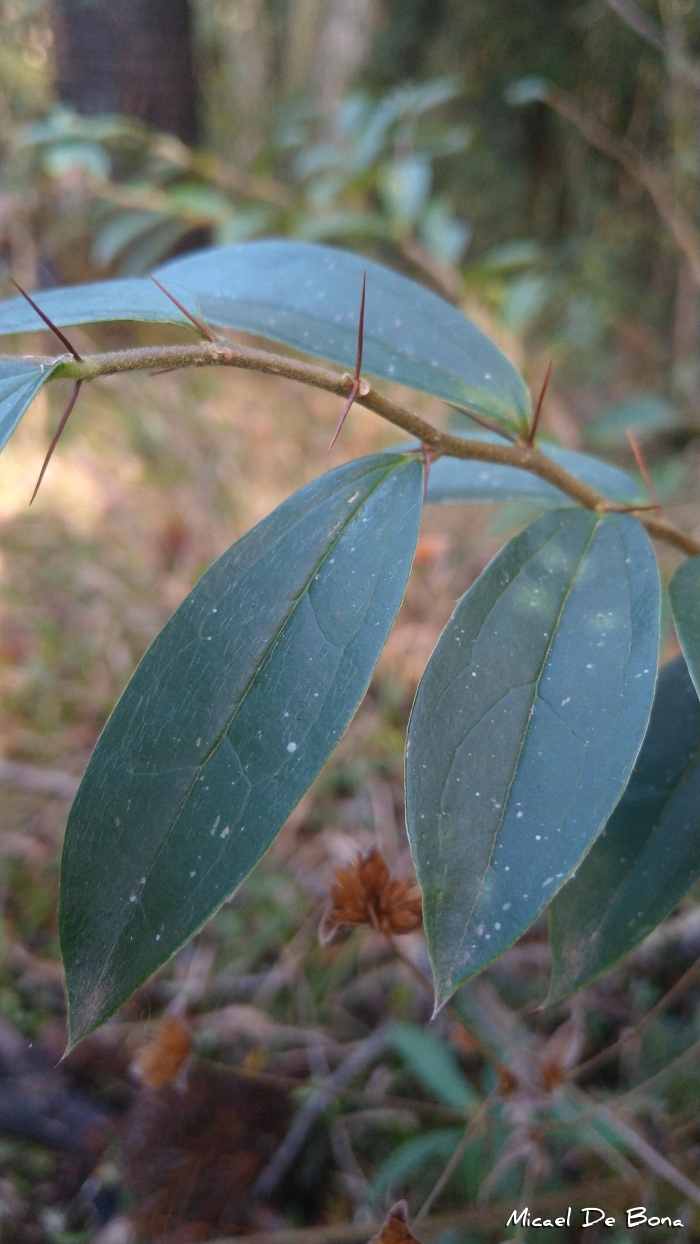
{"points": [[64, 419], [49, 323], [192, 318], [538, 408], [643, 470], [489, 424], [355, 389], [428, 452]]}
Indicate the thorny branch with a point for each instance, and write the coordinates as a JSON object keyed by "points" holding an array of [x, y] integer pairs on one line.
{"points": [[672, 212], [521, 455]]}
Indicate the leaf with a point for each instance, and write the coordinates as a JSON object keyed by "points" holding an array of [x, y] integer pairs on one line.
{"points": [[395, 1229], [413, 1156], [226, 722], [529, 90], [646, 414], [684, 591], [525, 729], [130, 299], [119, 231], [457, 479], [647, 856], [434, 1065], [308, 297], [20, 382]]}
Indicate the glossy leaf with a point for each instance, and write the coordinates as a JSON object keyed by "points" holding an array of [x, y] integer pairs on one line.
{"points": [[20, 382], [135, 298], [308, 297], [526, 727], [227, 720], [649, 853], [684, 591], [455, 479]]}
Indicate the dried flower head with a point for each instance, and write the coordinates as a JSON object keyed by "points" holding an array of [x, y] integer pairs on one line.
{"points": [[364, 893]]}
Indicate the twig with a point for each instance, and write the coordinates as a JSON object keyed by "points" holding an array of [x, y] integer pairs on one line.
{"points": [[57, 434], [639, 22], [500, 1067], [599, 1060], [38, 781], [355, 1097], [651, 1158], [355, 387], [674, 215], [364, 1054], [493, 1216], [456, 1158], [649, 30], [643, 469], [524, 457]]}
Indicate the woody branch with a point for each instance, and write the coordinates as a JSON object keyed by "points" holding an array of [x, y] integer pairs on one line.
{"points": [[520, 454]]}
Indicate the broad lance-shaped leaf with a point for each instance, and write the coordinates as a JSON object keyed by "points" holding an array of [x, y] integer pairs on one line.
{"points": [[308, 297], [526, 727], [684, 591], [649, 852], [20, 382], [100, 302], [457, 479], [226, 722]]}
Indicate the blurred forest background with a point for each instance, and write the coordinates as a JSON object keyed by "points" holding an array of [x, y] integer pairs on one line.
{"points": [[537, 162]]}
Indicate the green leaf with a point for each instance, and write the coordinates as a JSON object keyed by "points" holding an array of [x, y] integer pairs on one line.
{"points": [[525, 729], [20, 382], [308, 297], [415, 1155], [647, 856], [226, 722], [135, 299], [119, 231], [646, 414], [684, 591], [529, 90], [434, 1065], [456, 479]]}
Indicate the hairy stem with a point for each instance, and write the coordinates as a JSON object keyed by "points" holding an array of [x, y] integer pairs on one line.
{"points": [[522, 455]]}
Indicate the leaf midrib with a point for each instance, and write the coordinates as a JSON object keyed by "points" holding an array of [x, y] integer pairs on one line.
{"points": [[535, 697]]}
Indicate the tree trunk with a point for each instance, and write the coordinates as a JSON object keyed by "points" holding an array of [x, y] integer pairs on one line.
{"points": [[128, 56]]}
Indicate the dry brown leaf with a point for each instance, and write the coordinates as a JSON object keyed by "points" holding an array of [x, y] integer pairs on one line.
{"points": [[365, 894], [159, 1062], [396, 1229]]}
